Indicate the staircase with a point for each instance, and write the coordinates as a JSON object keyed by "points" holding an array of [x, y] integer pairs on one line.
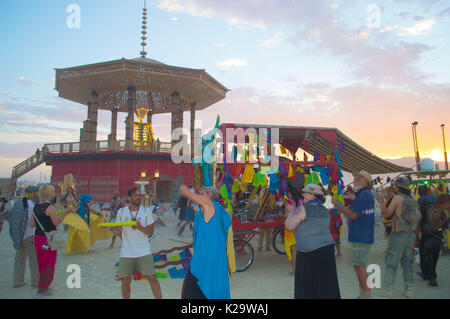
{"points": [[265, 200], [27, 165]]}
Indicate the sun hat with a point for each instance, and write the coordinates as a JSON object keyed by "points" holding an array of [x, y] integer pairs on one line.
{"points": [[402, 182], [366, 176], [30, 191], [313, 189]]}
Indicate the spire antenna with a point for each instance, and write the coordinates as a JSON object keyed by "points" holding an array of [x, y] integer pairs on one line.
{"points": [[144, 30]]}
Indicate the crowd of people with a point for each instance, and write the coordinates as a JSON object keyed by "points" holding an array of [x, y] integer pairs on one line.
{"points": [[311, 237]]}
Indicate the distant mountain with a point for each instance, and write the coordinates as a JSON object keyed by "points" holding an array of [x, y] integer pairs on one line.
{"points": [[411, 162]]}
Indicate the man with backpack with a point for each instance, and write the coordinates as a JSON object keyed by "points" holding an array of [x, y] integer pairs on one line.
{"points": [[405, 218], [22, 236], [425, 202], [436, 222]]}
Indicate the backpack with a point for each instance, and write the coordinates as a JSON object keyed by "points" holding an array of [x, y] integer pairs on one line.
{"points": [[424, 205], [411, 215]]}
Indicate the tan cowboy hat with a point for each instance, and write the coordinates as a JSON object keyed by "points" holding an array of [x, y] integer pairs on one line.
{"points": [[366, 176]]}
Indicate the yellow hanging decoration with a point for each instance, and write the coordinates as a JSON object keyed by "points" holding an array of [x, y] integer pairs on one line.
{"points": [[334, 189], [290, 173], [248, 175]]}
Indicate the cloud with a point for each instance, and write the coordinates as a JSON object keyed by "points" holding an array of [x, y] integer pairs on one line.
{"points": [[188, 7], [422, 27], [174, 19], [219, 44], [229, 63], [26, 81], [272, 42]]}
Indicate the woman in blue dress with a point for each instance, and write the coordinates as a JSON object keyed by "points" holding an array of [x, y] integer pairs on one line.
{"points": [[207, 277]]}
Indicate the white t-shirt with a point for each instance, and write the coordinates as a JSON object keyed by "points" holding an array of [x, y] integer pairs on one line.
{"points": [[29, 231], [134, 242]]}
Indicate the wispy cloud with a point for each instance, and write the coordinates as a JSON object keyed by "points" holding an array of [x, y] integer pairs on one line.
{"points": [[272, 42], [188, 7], [232, 62], [219, 44], [26, 81], [420, 28]]}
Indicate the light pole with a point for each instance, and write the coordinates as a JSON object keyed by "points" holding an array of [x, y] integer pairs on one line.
{"points": [[445, 150], [416, 146]]}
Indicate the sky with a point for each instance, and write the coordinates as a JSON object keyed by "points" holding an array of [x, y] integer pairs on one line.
{"points": [[368, 68]]}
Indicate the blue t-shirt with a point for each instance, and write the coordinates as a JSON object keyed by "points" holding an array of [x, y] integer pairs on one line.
{"points": [[361, 229], [209, 263]]}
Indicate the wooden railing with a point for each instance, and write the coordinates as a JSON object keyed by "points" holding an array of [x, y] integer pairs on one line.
{"points": [[74, 148], [27, 165], [105, 146]]}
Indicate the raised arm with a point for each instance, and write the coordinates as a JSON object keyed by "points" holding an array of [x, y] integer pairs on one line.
{"points": [[343, 209], [57, 220], [293, 220], [389, 211], [204, 201]]}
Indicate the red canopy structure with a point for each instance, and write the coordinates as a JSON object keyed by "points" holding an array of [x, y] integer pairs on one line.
{"points": [[326, 141]]}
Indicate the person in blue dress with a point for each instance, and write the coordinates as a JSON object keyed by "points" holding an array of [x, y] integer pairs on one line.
{"points": [[207, 276]]}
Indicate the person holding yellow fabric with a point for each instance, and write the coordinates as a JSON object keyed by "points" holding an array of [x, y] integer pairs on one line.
{"points": [[266, 232], [84, 230], [289, 236]]}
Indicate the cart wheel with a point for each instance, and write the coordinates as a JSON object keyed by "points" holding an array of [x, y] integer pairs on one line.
{"points": [[278, 241], [244, 256]]}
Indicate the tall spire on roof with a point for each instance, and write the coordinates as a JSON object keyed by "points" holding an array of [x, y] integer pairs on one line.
{"points": [[144, 30]]}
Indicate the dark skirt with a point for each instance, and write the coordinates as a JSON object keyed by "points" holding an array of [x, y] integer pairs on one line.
{"points": [[316, 275], [191, 289]]}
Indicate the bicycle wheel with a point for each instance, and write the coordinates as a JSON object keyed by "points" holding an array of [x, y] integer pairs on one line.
{"points": [[244, 256], [278, 241]]}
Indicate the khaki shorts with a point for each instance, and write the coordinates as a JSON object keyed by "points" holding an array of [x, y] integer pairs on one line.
{"points": [[359, 255], [143, 264]]}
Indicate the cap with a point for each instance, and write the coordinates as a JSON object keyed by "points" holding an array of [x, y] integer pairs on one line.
{"points": [[313, 189], [402, 182]]}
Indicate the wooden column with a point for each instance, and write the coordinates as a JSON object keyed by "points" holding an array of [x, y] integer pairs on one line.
{"points": [[129, 122], [112, 138], [88, 134], [192, 126], [177, 115]]}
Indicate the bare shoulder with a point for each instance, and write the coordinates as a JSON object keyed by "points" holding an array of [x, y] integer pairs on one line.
{"points": [[398, 199], [50, 210]]}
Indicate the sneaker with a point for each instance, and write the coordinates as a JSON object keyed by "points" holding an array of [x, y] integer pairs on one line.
{"points": [[268, 249], [260, 249], [364, 295], [387, 293], [408, 292], [421, 275], [433, 283], [45, 293], [19, 285]]}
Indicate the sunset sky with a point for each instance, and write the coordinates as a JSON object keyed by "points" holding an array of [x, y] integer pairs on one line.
{"points": [[368, 68]]}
